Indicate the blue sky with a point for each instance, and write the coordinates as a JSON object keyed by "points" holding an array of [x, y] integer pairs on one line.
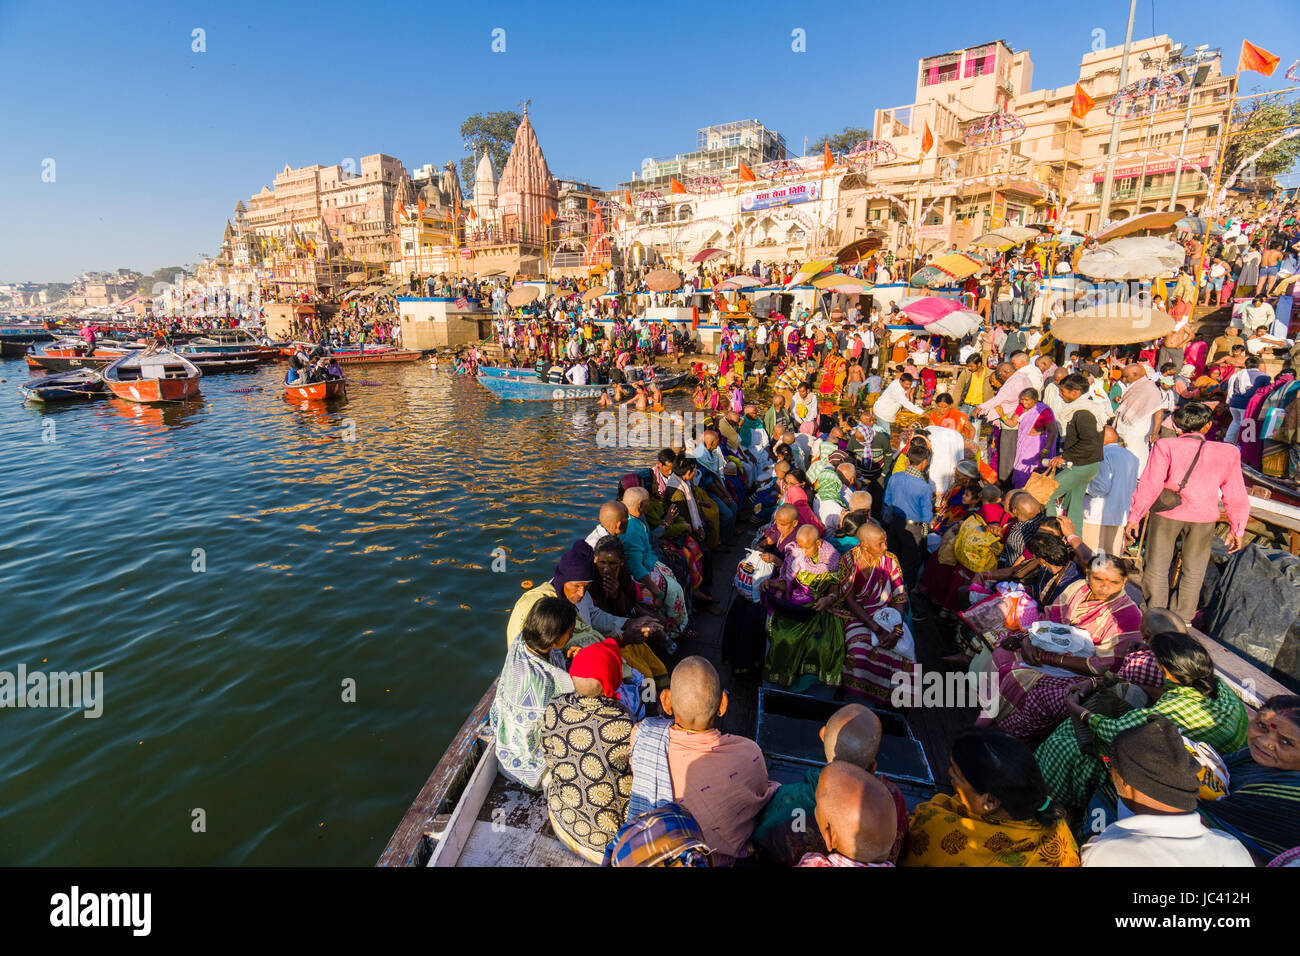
{"points": [[153, 143]]}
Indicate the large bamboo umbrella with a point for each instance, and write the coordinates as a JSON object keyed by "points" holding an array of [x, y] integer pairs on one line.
{"points": [[740, 281], [594, 293], [839, 282], [522, 295], [1119, 324], [663, 280], [1147, 222]]}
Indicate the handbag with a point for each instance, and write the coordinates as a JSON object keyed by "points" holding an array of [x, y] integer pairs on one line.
{"points": [[1042, 485], [1170, 498]]}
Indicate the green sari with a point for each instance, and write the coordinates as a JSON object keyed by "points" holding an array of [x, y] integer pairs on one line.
{"points": [[804, 640]]}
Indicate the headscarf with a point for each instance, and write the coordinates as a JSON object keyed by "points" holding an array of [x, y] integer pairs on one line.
{"points": [[600, 661], [576, 564], [797, 498]]}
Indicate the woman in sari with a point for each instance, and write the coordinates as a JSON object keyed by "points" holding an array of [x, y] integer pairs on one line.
{"points": [[1202, 705], [871, 581], [1262, 806], [574, 574], [1035, 435], [806, 639], [1001, 814], [798, 493], [834, 370], [1032, 702], [744, 633], [615, 592]]}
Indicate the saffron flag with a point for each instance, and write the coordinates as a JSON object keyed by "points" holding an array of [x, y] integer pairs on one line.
{"points": [[472, 213], [747, 174], [1256, 59], [675, 186], [627, 196], [591, 204], [927, 140], [401, 210], [827, 159], [1082, 103], [421, 206]]}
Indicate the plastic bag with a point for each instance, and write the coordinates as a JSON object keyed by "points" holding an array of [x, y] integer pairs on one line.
{"points": [[751, 573]]}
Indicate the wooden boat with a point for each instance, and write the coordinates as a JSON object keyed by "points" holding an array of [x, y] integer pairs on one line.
{"points": [[23, 333], [13, 348], [315, 391], [79, 384], [524, 390], [230, 340], [153, 376], [211, 362], [376, 355], [506, 372]]}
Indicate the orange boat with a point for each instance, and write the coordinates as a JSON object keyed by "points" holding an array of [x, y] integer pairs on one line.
{"points": [[315, 391], [153, 376]]}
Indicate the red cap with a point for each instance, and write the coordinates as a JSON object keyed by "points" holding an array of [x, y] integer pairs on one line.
{"points": [[602, 662]]}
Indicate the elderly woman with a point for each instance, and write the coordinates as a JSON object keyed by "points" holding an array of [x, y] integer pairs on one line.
{"points": [[615, 591], [871, 582], [653, 575], [1001, 814], [1262, 806], [1035, 429], [1202, 705], [1032, 701], [533, 673], [805, 638], [744, 634], [799, 494], [573, 575]]}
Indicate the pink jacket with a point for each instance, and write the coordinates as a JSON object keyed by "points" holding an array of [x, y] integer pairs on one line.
{"points": [[1217, 474]]}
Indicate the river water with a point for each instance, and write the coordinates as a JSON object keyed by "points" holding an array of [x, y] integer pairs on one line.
{"points": [[230, 566]]}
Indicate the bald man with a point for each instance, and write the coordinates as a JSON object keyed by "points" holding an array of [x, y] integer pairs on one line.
{"points": [[720, 779], [613, 520], [786, 830], [856, 818], [859, 501]]}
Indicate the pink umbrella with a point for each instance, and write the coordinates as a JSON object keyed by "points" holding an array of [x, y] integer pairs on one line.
{"points": [[931, 308]]}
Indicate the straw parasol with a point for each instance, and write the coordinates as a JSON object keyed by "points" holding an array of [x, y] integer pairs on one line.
{"points": [[663, 280], [1118, 324], [522, 295], [594, 293], [853, 252], [1147, 222], [355, 277], [838, 282]]}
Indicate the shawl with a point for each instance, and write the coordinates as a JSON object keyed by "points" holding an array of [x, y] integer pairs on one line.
{"points": [[674, 482], [710, 461], [942, 832], [1262, 808], [1064, 411], [1140, 401], [652, 783], [527, 683]]}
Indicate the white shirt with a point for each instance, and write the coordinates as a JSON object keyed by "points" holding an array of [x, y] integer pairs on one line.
{"points": [[1110, 493], [1242, 381], [803, 409], [829, 511], [891, 400], [1253, 316], [947, 448], [1035, 376], [1150, 839], [577, 375]]}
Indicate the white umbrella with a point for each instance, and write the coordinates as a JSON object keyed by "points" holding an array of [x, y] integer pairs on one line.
{"points": [[1133, 257], [954, 325]]}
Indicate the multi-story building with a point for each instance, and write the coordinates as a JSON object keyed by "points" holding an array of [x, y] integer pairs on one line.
{"points": [[360, 209], [719, 151]]}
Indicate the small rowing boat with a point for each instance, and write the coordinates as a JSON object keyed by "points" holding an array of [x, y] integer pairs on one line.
{"points": [[78, 384], [315, 391], [153, 376]]}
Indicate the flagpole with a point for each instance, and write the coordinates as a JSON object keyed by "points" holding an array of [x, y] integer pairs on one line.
{"points": [[1214, 191], [1104, 211]]}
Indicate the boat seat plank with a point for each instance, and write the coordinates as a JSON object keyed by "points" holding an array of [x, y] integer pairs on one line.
{"points": [[512, 828]]}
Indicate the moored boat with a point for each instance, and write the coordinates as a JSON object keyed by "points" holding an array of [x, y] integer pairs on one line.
{"points": [[152, 376], [78, 384], [513, 389]]}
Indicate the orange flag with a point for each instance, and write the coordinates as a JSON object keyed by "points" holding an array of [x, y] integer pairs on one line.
{"points": [[401, 210], [827, 159], [472, 213], [747, 174], [675, 186], [421, 206], [591, 204], [1256, 59], [627, 196], [927, 140], [1082, 103]]}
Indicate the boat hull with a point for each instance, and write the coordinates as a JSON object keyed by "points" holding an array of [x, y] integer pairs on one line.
{"points": [[156, 390], [519, 390], [316, 391], [72, 386]]}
